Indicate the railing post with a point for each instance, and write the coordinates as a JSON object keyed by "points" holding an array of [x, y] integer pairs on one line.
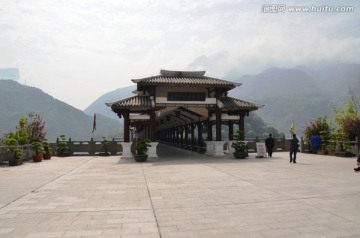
{"points": [[56, 145], [92, 147], [70, 144]]}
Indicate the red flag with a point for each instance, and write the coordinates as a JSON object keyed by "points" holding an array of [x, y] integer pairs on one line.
{"points": [[94, 123]]}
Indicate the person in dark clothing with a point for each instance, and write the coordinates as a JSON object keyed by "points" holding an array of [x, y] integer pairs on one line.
{"points": [[294, 146], [358, 164], [269, 143]]}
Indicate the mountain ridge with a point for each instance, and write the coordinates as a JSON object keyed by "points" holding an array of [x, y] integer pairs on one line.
{"points": [[98, 106], [18, 100], [309, 93]]}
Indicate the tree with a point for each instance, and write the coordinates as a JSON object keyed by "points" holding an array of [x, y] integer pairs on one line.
{"points": [[21, 133], [36, 127], [30, 129], [317, 127], [348, 120]]}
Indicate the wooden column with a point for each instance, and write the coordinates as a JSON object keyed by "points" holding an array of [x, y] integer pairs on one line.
{"points": [[199, 130], [173, 135], [192, 134], [152, 125], [177, 135], [181, 136], [218, 94], [242, 123], [231, 130], [126, 116], [218, 123], [209, 128]]}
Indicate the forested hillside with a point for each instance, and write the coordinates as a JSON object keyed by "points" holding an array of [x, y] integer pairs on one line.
{"points": [[300, 94], [17, 101]]}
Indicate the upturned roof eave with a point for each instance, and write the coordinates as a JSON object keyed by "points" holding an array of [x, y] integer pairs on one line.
{"points": [[133, 102], [233, 105]]}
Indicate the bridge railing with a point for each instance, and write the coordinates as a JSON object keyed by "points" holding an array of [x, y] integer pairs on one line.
{"points": [[91, 147]]}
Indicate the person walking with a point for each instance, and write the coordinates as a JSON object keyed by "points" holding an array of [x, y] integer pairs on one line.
{"points": [[358, 164], [269, 143], [294, 146]]}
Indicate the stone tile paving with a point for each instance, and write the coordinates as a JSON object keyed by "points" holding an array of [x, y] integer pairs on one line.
{"points": [[181, 194]]}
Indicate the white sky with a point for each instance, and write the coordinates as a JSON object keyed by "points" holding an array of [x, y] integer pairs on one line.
{"points": [[78, 50]]}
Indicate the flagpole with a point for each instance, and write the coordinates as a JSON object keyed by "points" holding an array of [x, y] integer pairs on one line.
{"points": [[292, 129], [94, 125]]}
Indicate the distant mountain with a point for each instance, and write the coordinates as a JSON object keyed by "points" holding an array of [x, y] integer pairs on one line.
{"points": [[10, 73], [299, 94], [98, 106], [17, 101]]}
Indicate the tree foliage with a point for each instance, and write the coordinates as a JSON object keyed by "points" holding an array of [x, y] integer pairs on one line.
{"points": [[255, 126], [36, 127], [28, 130], [317, 127], [348, 120], [21, 132]]}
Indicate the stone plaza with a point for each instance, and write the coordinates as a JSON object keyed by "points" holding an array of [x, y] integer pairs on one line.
{"points": [[181, 194]]}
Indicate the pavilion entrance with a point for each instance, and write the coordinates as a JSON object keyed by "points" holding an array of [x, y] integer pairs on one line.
{"points": [[183, 109]]}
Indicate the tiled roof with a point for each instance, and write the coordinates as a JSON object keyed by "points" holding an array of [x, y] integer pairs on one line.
{"points": [[233, 104], [132, 102], [145, 102], [185, 78]]}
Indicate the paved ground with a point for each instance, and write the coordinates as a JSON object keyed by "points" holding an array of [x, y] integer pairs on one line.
{"points": [[181, 194]]}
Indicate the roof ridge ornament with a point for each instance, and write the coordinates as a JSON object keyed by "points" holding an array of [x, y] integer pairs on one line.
{"points": [[177, 73]]}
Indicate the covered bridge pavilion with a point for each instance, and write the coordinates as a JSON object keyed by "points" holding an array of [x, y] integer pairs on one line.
{"points": [[180, 108]]}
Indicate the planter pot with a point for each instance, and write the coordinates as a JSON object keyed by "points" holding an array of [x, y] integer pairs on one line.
{"points": [[140, 158], [16, 162], [37, 158], [322, 152], [104, 154], [344, 154], [47, 156], [64, 154], [240, 155]]}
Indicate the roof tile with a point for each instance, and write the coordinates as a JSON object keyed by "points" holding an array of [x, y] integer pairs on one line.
{"points": [[233, 104]]}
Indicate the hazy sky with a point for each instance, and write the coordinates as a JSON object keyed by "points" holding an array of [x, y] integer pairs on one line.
{"points": [[78, 50]]}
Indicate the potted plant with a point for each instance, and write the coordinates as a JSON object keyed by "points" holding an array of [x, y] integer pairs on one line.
{"points": [[325, 142], [342, 147], [47, 150], [239, 145], [141, 147], [105, 146], [315, 142], [18, 158], [62, 146], [39, 150], [15, 153]]}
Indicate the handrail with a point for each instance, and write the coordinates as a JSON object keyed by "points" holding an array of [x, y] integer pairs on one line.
{"points": [[77, 147]]}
